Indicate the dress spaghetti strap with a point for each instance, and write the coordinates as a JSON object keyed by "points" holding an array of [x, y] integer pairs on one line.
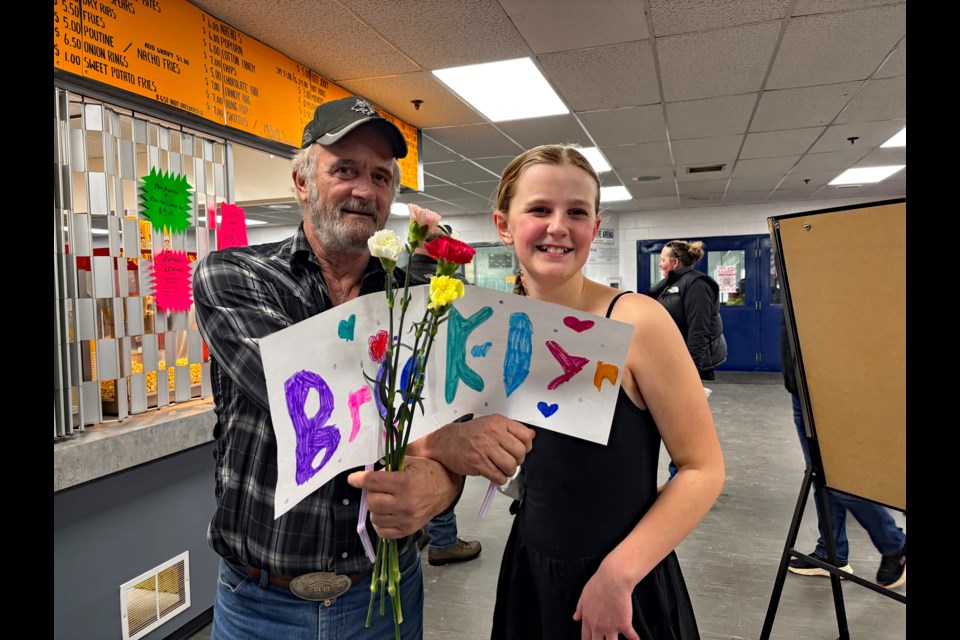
{"points": [[614, 301]]}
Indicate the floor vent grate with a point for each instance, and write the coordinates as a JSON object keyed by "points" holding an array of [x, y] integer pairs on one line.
{"points": [[154, 597]]}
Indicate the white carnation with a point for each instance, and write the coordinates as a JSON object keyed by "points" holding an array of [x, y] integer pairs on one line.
{"points": [[385, 244]]}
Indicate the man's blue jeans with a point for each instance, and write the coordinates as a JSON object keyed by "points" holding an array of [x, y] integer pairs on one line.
{"points": [[247, 609], [442, 530], [876, 520]]}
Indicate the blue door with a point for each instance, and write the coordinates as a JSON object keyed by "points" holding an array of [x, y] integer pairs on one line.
{"points": [[749, 295]]}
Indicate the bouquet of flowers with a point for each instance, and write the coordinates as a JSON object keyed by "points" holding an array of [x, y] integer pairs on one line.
{"points": [[399, 391]]}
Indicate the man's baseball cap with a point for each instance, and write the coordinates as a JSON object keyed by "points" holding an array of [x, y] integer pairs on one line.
{"points": [[335, 119]]}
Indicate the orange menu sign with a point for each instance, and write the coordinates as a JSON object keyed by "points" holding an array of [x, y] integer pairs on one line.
{"points": [[172, 52]]}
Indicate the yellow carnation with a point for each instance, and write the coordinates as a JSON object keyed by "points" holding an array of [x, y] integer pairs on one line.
{"points": [[443, 291]]}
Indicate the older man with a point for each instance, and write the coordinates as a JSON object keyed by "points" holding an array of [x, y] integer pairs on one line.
{"points": [[346, 177]]}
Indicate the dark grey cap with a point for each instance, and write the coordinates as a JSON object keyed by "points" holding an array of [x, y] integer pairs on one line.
{"points": [[335, 119]]}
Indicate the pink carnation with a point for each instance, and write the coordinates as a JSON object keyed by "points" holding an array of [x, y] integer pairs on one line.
{"points": [[424, 218]]}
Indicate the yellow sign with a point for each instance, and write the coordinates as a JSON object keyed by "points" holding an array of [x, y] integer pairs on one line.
{"points": [[171, 52]]}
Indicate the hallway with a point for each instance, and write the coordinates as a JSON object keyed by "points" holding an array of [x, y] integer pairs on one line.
{"points": [[729, 562]]}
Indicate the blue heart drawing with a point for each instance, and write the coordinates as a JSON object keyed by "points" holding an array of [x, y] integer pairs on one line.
{"points": [[547, 409], [345, 328], [480, 350]]}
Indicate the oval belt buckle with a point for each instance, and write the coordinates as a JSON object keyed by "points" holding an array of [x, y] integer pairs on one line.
{"points": [[320, 586]]}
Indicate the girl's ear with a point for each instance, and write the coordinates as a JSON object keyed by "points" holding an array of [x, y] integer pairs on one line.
{"points": [[596, 228], [503, 229]]}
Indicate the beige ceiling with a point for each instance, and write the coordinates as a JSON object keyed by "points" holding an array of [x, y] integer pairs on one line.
{"points": [[785, 94]]}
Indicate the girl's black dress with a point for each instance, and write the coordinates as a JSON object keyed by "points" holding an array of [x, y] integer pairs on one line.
{"points": [[581, 499]]}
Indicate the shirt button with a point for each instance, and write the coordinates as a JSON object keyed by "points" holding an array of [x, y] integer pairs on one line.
{"points": [[346, 501], [344, 554]]}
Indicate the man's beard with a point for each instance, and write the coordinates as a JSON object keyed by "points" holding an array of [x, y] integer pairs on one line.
{"points": [[335, 233]]}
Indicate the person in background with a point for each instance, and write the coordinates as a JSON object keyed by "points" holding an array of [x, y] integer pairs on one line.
{"points": [[693, 300], [345, 178], [591, 550], [445, 545], [887, 537]]}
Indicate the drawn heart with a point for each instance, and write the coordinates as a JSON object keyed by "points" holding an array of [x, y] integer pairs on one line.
{"points": [[577, 325], [480, 350], [378, 346], [345, 328], [547, 409]]}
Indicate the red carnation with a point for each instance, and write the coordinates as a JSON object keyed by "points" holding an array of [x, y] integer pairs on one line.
{"points": [[450, 250]]}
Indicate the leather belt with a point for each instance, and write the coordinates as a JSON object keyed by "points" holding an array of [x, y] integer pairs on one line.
{"points": [[311, 586]]}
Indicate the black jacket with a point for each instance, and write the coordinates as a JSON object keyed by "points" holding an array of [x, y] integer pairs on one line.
{"points": [[693, 300]]}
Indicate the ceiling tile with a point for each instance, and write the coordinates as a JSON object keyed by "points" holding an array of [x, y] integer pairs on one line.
{"points": [[798, 179], [716, 63], [620, 75], [883, 158], [671, 17], [805, 7], [638, 156], [754, 183], [683, 174], [804, 107], [771, 144], [706, 150], [496, 164], [710, 117], [896, 65], [626, 125], [575, 24], [828, 48], [475, 141], [664, 187], [440, 107], [437, 34], [839, 160], [458, 172], [745, 197], [870, 134], [764, 167], [552, 130], [703, 187], [883, 99], [652, 204], [434, 152]]}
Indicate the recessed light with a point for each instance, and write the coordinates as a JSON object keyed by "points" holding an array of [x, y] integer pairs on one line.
{"points": [[399, 209], [898, 140], [280, 206], [646, 178], [861, 175], [505, 90], [596, 159], [614, 194]]}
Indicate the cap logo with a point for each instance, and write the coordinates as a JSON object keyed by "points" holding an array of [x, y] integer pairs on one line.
{"points": [[363, 107]]}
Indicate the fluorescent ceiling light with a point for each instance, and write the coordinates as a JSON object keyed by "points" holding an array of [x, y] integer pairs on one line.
{"points": [[505, 90], [250, 223], [597, 161], [614, 194], [399, 209], [863, 175], [898, 140]]}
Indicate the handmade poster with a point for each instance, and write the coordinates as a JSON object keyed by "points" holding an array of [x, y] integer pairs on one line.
{"points": [[533, 361], [232, 230], [165, 201]]}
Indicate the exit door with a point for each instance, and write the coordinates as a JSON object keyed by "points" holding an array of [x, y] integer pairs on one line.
{"points": [[749, 295]]}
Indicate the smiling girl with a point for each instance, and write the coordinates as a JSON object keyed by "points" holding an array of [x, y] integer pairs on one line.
{"points": [[591, 551]]}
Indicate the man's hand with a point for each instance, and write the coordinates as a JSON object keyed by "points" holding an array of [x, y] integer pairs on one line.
{"points": [[402, 502], [490, 446]]}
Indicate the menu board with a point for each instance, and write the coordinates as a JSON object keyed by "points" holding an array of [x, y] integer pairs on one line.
{"points": [[174, 53]]}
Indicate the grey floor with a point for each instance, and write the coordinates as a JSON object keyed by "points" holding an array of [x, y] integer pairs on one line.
{"points": [[729, 562]]}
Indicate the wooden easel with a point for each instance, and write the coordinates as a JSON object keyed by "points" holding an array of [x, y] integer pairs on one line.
{"points": [[837, 270]]}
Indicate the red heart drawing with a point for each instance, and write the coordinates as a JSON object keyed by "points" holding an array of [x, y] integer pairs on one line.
{"points": [[577, 325], [378, 346]]}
